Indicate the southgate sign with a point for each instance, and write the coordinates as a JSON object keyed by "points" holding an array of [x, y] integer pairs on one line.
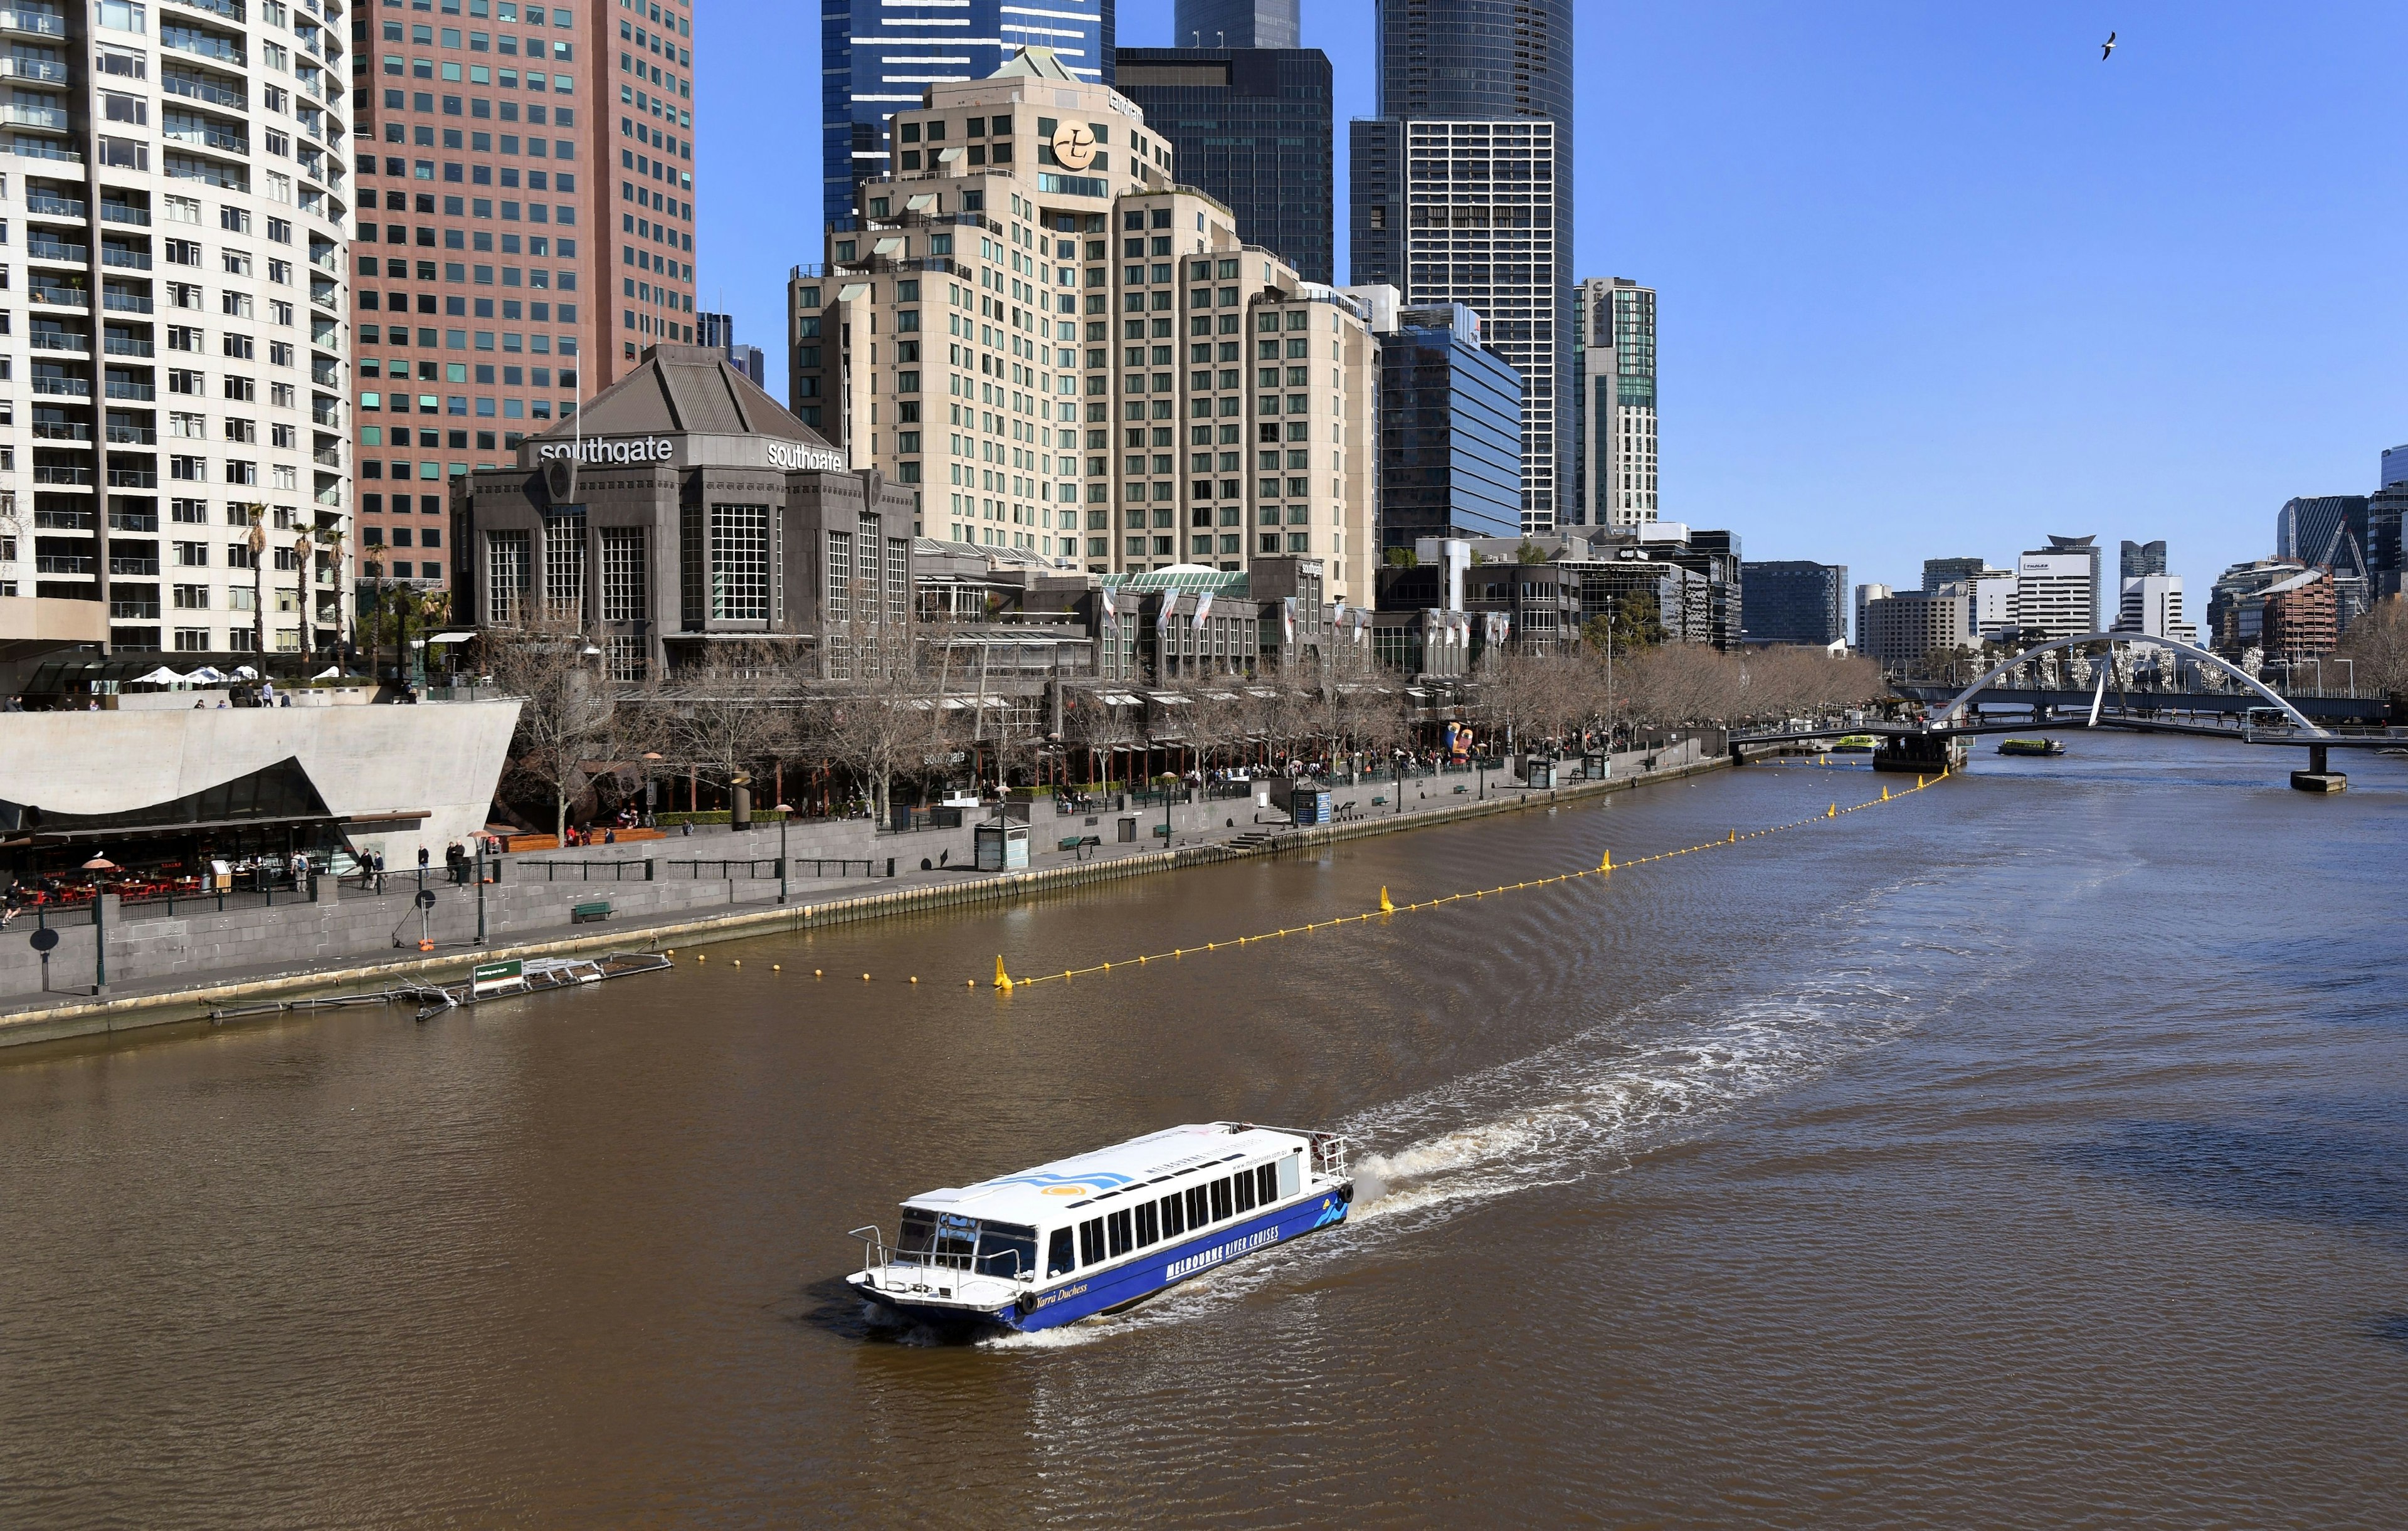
{"points": [[646, 449], [795, 457], [785, 456]]}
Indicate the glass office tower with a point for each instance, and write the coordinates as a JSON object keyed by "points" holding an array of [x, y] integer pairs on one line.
{"points": [[1463, 193], [877, 56], [1450, 430], [1252, 126], [1237, 24]]}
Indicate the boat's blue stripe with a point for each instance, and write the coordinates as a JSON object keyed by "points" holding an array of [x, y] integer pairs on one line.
{"points": [[1109, 1286]]}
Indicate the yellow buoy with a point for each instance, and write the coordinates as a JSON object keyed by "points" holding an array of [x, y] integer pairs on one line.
{"points": [[915, 978], [1834, 813], [1885, 795], [816, 973], [739, 961], [776, 967], [670, 953], [865, 978], [1605, 862], [1002, 978], [702, 956], [1385, 907]]}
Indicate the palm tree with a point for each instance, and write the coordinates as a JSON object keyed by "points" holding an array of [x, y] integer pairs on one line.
{"points": [[257, 542], [302, 548], [333, 540]]}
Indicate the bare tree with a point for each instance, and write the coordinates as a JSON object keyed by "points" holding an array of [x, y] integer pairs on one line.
{"points": [[567, 711], [728, 713], [2377, 646], [886, 722]]}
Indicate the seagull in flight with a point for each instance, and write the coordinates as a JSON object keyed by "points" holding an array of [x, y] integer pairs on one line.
{"points": [[2107, 48]]}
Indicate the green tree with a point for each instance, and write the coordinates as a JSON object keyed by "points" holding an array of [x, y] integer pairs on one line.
{"points": [[1633, 622]]}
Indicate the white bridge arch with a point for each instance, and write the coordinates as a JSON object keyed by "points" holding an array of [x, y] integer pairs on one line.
{"points": [[2186, 649]]}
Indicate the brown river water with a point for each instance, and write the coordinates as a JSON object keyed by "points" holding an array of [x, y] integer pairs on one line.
{"points": [[2028, 1152]]}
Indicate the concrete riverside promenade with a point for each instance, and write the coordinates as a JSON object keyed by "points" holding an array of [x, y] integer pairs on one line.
{"points": [[163, 970]]}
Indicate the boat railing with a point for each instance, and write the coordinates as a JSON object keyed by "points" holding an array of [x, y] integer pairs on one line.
{"points": [[877, 1259], [1329, 1149]]}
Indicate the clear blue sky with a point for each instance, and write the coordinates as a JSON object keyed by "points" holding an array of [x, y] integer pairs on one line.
{"points": [[1935, 280]]}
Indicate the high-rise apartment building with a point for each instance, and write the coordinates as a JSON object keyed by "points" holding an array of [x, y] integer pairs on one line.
{"points": [[525, 230], [877, 56], [1462, 193], [180, 181], [1237, 24], [1252, 126], [1067, 353], [1903, 629], [1614, 406]]}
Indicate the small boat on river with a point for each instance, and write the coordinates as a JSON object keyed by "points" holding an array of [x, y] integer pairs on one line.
{"points": [[1855, 744], [1105, 1230], [2030, 747]]}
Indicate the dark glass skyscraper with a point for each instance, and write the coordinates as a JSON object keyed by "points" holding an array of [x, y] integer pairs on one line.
{"points": [[1252, 127], [1237, 24], [1463, 193], [878, 55], [1794, 601], [1450, 432]]}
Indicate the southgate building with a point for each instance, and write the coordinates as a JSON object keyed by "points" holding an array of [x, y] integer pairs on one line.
{"points": [[1067, 353]]}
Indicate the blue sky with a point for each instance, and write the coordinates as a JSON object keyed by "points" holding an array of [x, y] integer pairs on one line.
{"points": [[1934, 279]]}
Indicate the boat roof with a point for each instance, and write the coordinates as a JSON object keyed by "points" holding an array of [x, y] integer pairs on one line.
{"points": [[1044, 1193]]}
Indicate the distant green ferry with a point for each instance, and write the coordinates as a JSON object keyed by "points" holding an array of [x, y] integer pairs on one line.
{"points": [[1855, 744], [2030, 747]]}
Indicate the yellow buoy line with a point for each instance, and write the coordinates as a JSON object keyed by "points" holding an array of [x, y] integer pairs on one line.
{"points": [[1005, 983]]}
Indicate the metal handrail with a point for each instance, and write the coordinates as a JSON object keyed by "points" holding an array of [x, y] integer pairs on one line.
{"points": [[877, 1257]]}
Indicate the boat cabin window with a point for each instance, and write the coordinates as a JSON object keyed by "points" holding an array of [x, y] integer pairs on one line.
{"points": [[1149, 1230], [1117, 1227], [1243, 1182], [918, 1232], [1291, 1175], [1199, 1214], [1221, 1205], [956, 1236], [1267, 1183], [1005, 1249], [1174, 1215], [1091, 1241], [1058, 1260]]}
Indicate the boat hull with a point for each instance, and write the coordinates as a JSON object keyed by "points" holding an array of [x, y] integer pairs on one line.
{"points": [[1111, 1288]]}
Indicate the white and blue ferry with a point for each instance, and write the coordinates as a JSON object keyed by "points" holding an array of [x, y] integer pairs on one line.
{"points": [[1099, 1231]]}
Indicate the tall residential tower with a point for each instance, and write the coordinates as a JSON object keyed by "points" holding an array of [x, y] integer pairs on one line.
{"points": [[181, 180], [1463, 193], [1614, 409]]}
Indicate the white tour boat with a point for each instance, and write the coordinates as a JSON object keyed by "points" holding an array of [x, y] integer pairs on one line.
{"points": [[1101, 1231]]}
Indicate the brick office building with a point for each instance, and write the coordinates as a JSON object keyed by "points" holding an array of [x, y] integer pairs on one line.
{"points": [[525, 229]]}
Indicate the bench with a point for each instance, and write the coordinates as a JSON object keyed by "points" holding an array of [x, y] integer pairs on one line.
{"points": [[1163, 830], [586, 915], [1378, 801], [1079, 842]]}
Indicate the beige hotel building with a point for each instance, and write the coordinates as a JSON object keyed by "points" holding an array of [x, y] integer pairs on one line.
{"points": [[1064, 351]]}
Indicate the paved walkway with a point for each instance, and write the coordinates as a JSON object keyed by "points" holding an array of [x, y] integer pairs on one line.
{"points": [[187, 996]]}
